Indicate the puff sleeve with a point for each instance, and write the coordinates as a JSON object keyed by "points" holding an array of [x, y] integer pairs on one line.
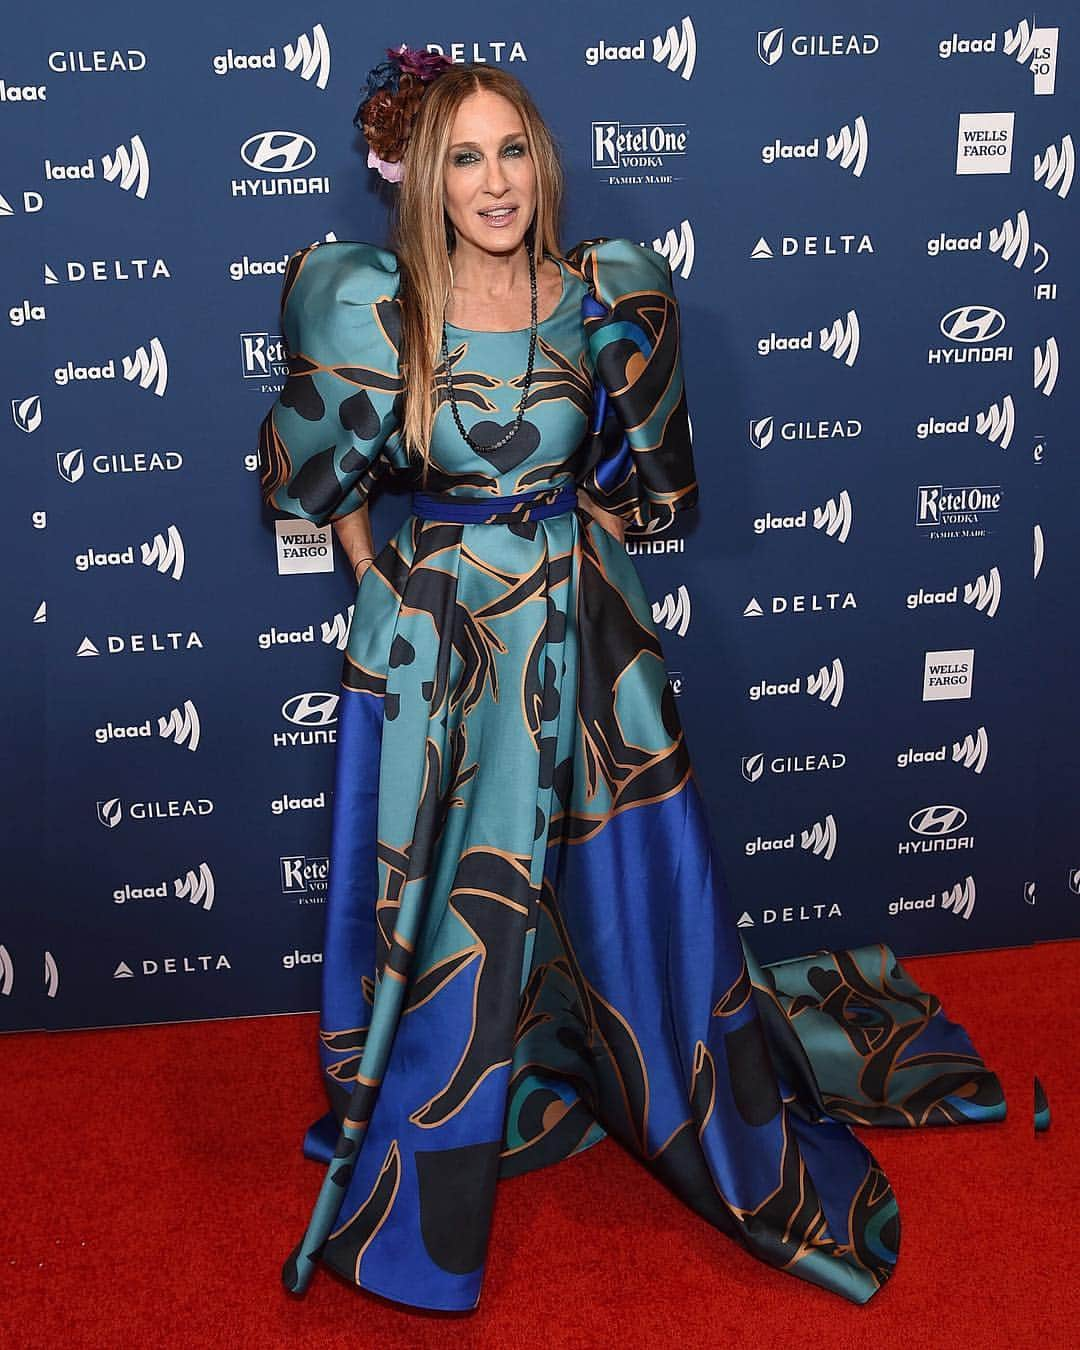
{"points": [[321, 444], [639, 464]]}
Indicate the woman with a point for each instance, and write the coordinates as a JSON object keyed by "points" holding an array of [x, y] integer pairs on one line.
{"points": [[528, 943]]}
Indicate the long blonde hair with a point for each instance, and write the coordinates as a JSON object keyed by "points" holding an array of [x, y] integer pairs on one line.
{"points": [[422, 233]]}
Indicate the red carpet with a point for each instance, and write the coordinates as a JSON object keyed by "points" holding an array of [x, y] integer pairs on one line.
{"points": [[153, 1184]]}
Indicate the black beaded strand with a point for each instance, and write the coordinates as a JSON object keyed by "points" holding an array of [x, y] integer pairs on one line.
{"points": [[508, 436]]}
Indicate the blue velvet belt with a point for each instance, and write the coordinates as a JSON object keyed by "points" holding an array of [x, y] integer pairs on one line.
{"points": [[519, 506]]}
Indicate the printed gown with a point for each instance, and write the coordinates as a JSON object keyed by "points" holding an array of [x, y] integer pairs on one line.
{"points": [[528, 941]]}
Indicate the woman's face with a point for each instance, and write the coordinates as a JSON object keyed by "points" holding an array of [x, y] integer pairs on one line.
{"points": [[489, 178]]}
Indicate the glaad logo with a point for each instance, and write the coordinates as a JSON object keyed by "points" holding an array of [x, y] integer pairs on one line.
{"points": [[673, 612], [938, 829], [841, 339], [984, 142], [298, 958], [315, 715], [972, 752], [827, 685], [956, 512], [997, 424], [677, 49], [948, 675], [812, 246], [984, 593], [71, 464], [25, 312], [196, 887], [754, 766], [148, 367], [181, 726], [308, 57], [1011, 241], [850, 147], [335, 632], [960, 900], [26, 413], [23, 93], [762, 431], [1033, 47], [677, 246], [173, 965], [276, 153], [811, 603], [244, 267], [1056, 166], [128, 166], [770, 45], [110, 812], [819, 839], [835, 518], [970, 324], [164, 553], [1039, 550], [280, 805], [1046, 366]]}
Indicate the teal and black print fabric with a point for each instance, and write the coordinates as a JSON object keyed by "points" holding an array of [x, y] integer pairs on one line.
{"points": [[528, 940]]}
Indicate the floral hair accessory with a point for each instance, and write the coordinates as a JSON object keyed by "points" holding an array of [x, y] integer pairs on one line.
{"points": [[392, 94]]}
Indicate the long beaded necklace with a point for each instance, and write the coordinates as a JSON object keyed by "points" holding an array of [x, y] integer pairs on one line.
{"points": [[487, 448]]}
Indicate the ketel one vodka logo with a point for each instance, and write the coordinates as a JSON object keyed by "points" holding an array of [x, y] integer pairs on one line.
{"points": [[673, 612], [148, 367], [826, 685], [972, 752], [849, 147], [997, 423], [939, 829], [305, 879], [960, 900], [313, 717], [841, 339], [819, 839], [770, 45], [128, 167], [308, 57], [834, 518], [111, 811], [181, 726], [196, 887], [263, 356], [1011, 241], [164, 553], [964, 512], [984, 593], [971, 326], [676, 48], [281, 156]]}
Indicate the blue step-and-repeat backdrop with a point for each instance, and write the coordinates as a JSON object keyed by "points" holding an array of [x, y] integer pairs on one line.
{"points": [[871, 215]]}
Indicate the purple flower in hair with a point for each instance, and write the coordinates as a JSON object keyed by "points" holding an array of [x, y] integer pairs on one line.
{"points": [[417, 61]]}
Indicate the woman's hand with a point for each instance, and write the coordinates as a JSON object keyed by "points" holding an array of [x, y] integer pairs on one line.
{"points": [[615, 525]]}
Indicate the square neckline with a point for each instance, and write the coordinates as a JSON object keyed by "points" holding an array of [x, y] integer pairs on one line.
{"points": [[539, 323]]}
